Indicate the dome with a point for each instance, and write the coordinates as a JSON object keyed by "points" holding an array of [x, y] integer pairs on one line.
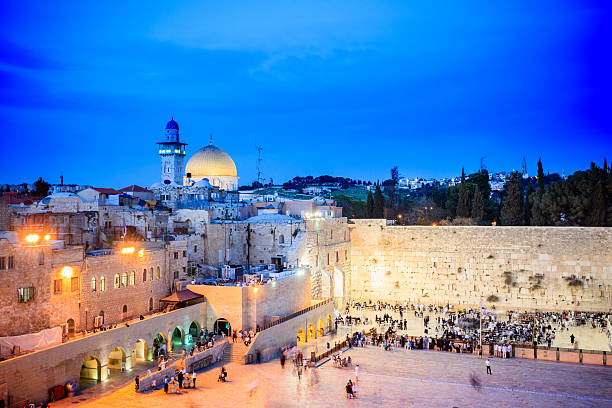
{"points": [[172, 125], [211, 161]]}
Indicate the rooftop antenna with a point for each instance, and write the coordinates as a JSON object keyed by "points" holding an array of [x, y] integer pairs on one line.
{"points": [[61, 179], [481, 164], [259, 149]]}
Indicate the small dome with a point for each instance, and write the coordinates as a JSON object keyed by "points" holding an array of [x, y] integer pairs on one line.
{"points": [[211, 161], [172, 125]]}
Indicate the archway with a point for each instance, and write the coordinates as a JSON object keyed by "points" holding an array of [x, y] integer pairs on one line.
{"points": [[320, 328], [222, 326], [301, 337], [158, 343], [311, 332], [116, 360], [70, 323], [338, 282], [91, 373], [194, 330], [328, 322], [326, 284], [140, 352], [177, 337]]}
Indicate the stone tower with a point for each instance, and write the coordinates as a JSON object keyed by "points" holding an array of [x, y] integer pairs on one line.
{"points": [[172, 152]]}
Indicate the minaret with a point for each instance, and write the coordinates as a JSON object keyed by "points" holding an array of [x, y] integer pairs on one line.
{"points": [[172, 152]]}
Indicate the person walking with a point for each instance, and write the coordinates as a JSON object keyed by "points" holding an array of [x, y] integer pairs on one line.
{"points": [[166, 382], [572, 338], [137, 382], [193, 376], [356, 373], [488, 364]]}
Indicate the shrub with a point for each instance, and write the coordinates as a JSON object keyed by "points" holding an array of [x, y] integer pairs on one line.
{"points": [[492, 298]]}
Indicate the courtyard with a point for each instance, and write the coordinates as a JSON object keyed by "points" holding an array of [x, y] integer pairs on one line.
{"points": [[398, 378]]}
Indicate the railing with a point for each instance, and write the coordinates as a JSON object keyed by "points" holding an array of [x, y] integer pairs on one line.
{"points": [[292, 315], [332, 350]]}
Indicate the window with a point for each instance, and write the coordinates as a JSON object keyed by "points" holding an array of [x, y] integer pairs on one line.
{"points": [[184, 270], [93, 284], [345, 254], [57, 286], [41, 258], [102, 284], [144, 275], [124, 279], [337, 257], [328, 259], [150, 304], [11, 262], [133, 278], [331, 234], [2, 263], [117, 281], [74, 284], [195, 248], [176, 255], [184, 254], [151, 274], [157, 273], [176, 275], [25, 294], [281, 239], [124, 309]]}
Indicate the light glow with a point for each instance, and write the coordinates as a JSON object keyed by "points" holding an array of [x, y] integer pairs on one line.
{"points": [[128, 250], [67, 272], [47, 237], [32, 238], [141, 253], [255, 289]]}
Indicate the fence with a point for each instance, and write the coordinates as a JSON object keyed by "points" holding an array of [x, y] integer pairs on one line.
{"points": [[292, 315], [329, 352]]}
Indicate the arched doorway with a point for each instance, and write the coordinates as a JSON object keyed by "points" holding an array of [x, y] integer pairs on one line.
{"points": [[301, 337], [140, 352], [194, 330], [158, 342], [177, 338], [222, 326], [338, 282], [116, 360], [91, 373], [70, 323], [320, 328], [328, 323], [311, 332]]}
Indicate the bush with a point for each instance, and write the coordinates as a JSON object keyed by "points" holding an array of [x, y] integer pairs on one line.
{"points": [[492, 298]]}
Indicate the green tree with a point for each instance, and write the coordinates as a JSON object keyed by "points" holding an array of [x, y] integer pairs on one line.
{"points": [[370, 205], [41, 187], [477, 205], [463, 206], [529, 195], [379, 202], [540, 174], [513, 209]]}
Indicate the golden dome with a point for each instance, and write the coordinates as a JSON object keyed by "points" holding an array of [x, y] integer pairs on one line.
{"points": [[211, 161]]}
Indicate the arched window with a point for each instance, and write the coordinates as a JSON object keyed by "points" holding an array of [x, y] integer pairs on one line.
{"points": [[124, 278], [151, 274], [102, 284], [144, 275], [150, 304], [331, 234], [117, 281], [157, 273], [124, 308], [133, 278], [281, 239], [93, 284]]}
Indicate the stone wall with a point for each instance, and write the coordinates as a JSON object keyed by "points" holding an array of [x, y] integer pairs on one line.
{"points": [[525, 268]]}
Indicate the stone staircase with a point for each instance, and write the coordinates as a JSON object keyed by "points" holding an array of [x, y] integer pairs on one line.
{"points": [[234, 352]]}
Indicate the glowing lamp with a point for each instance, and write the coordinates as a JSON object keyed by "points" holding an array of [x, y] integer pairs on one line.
{"points": [[67, 272], [127, 250], [47, 237], [434, 225], [255, 289], [32, 238], [141, 253]]}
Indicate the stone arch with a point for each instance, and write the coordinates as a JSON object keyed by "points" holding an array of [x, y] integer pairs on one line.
{"points": [[71, 328], [222, 325], [328, 323], [91, 372], [311, 332], [140, 352], [177, 337], [320, 328], [194, 330], [338, 291], [150, 304], [281, 239], [116, 360], [159, 340], [301, 337]]}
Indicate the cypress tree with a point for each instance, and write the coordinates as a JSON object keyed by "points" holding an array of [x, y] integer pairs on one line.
{"points": [[529, 196], [463, 206], [370, 205], [477, 205], [540, 174], [379, 202], [513, 208]]}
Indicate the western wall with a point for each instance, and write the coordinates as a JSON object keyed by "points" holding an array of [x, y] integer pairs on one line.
{"points": [[517, 268]]}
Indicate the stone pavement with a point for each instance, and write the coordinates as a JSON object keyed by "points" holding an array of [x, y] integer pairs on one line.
{"points": [[399, 378]]}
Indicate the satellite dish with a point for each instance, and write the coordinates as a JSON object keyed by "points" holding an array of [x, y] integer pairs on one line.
{"points": [[167, 182]]}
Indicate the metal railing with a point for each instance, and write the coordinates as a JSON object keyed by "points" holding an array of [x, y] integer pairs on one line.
{"points": [[332, 350], [292, 315]]}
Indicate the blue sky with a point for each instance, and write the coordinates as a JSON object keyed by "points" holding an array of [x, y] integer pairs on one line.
{"points": [[325, 87]]}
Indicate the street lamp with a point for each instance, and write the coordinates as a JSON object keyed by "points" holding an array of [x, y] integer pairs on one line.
{"points": [[32, 238], [67, 272]]}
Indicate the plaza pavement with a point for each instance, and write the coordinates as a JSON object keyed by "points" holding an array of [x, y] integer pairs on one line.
{"points": [[399, 378]]}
